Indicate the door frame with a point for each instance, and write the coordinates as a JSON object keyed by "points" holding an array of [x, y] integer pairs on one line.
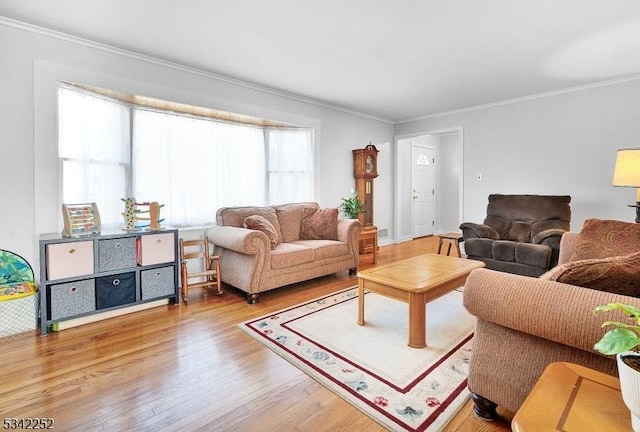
{"points": [[398, 203]]}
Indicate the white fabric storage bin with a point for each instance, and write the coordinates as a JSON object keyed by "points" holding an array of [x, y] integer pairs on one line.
{"points": [[19, 315], [157, 249], [69, 259]]}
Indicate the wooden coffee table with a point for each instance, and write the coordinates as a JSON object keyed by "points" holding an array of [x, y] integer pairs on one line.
{"points": [[416, 281], [573, 398]]}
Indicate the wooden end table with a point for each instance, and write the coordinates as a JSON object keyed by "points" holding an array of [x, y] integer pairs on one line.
{"points": [[573, 398], [368, 242], [449, 239], [416, 281]]}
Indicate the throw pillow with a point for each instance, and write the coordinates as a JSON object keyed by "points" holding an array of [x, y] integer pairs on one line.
{"points": [[319, 224], [606, 238], [618, 274], [260, 223]]}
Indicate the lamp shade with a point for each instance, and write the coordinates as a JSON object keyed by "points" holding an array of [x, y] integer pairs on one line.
{"points": [[627, 169]]}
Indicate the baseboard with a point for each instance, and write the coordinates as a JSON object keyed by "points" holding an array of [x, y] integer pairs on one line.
{"points": [[63, 325]]}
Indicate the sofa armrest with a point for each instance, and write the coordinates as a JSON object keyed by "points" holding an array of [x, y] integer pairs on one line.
{"points": [[474, 230], [549, 237], [567, 246], [549, 310], [348, 231], [241, 240]]}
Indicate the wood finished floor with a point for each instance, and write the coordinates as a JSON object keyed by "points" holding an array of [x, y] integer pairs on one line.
{"points": [[186, 367]]}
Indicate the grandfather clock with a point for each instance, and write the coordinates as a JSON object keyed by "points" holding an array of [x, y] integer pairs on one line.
{"points": [[365, 169]]}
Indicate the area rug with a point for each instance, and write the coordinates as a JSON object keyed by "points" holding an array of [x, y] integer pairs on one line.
{"points": [[371, 366]]}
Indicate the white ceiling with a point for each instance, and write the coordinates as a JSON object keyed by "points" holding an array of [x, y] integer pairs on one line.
{"points": [[391, 59]]}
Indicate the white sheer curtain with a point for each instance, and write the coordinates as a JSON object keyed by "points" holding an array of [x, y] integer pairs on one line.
{"points": [[194, 166], [290, 165], [93, 147]]}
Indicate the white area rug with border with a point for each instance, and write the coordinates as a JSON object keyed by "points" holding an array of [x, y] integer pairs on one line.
{"points": [[371, 366]]}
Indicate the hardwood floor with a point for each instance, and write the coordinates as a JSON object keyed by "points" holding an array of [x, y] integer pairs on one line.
{"points": [[186, 367]]}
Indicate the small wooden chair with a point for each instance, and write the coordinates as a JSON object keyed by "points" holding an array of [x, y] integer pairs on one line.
{"points": [[199, 249]]}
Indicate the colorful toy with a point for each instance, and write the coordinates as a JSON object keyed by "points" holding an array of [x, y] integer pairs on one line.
{"points": [[80, 219], [16, 276], [133, 211]]}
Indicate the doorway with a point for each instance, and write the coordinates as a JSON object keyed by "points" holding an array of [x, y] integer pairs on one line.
{"points": [[447, 195], [423, 204]]}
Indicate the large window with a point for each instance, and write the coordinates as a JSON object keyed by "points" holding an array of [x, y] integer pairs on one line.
{"points": [[193, 164]]}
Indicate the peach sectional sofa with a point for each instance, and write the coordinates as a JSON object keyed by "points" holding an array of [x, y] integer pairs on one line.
{"points": [[262, 248]]}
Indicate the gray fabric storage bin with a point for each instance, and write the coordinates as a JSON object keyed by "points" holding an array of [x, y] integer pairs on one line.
{"points": [[72, 298], [116, 254], [158, 282]]}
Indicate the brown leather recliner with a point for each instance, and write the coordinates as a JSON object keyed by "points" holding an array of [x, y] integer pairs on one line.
{"points": [[521, 233]]}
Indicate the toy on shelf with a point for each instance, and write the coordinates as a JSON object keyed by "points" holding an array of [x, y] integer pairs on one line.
{"points": [[80, 219], [133, 212]]}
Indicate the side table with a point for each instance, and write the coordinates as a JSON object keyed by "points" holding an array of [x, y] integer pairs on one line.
{"points": [[450, 238], [573, 398], [368, 241]]}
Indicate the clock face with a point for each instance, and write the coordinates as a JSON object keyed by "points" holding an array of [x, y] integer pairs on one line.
{"points": [[368, 166]]}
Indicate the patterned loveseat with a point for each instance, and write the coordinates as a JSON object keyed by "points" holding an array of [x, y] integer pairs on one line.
{"points": [[262, 248]]}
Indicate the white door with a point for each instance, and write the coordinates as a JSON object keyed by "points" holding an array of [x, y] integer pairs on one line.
{"points": [[423, 190]]}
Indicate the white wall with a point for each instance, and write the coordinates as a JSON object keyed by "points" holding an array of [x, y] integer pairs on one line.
{"points": [[558, 144], [450, 177], [32, 62], [383, 194]]}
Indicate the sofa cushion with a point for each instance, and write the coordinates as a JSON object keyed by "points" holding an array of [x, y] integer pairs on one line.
{"points": [[325, 248], [260, 223], [319, 224], [290, 219], [479, 247], [520, 231], [533, 255], [606, 238], [500, 224], [291, 254], [523, 253], [234, 216], [503, 250], [618, 274]]}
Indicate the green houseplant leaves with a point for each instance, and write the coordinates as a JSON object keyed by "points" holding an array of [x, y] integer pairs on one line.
{"points": [[352, 207], [624, 337]]}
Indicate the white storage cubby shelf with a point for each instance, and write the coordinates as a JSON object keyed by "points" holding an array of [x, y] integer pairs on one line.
{"points": [[92, 274]]}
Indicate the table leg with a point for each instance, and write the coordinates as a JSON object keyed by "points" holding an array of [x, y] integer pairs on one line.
{"points": [[361, 302], [417, 321], [375, 248]]}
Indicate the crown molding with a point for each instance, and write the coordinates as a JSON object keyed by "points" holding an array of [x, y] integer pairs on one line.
{"points": [[9, 22], [525, 98]]}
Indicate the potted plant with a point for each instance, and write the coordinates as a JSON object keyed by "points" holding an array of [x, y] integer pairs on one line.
{"points": [[623, 341], [352, 207]]}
